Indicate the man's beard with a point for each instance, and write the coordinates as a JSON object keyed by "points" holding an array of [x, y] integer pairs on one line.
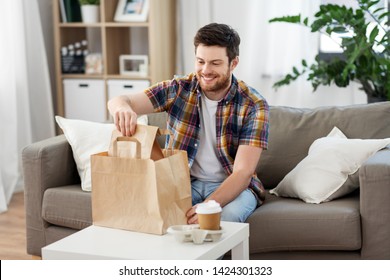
{"points": [[222, 82]]}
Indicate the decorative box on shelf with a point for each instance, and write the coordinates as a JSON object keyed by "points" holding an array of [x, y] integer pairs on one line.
{"points": [[73, 57], [120, 87], [73, 64], [85, 99]]}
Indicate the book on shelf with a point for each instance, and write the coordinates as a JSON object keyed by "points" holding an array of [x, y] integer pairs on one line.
{"points": [[70, 10], [62, 10]]}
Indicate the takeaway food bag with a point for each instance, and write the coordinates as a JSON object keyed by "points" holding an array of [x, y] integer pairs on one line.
{"points": [[137, 186]]}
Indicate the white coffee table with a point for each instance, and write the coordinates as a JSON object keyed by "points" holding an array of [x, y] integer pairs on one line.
{"points": [[97, 242]]}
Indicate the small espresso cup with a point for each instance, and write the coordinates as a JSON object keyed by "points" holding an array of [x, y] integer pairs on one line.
{"points": [[209, 215]]}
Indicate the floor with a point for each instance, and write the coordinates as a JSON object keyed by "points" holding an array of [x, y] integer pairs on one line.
{"points": [[12, 230]]}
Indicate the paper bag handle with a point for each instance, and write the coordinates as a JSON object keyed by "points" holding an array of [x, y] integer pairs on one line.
{"points": [[129, 139]]}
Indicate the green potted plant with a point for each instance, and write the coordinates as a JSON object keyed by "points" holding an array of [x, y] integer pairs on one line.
{"points": [[365, 53], [90, 10], [89, 2]]}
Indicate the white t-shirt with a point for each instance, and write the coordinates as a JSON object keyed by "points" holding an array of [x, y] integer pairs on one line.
{"points": [[206, 166]]}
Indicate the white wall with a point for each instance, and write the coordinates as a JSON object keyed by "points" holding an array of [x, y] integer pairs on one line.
{"points": [[46, 12]]}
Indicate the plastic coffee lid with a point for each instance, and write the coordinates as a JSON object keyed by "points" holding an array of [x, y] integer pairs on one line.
{"points": [[208, 207]]}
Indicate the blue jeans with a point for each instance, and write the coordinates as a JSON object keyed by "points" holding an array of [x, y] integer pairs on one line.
{"points": [[237, 210]]}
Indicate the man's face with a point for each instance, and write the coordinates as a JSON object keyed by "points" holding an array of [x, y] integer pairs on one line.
{"points": [[213, 70]]}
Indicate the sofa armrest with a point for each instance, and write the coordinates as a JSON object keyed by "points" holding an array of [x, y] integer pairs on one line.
{"points": [[374, 176], [46, 164]]}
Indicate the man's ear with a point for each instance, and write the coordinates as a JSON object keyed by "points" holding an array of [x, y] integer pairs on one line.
{"points": [[234, 63]]}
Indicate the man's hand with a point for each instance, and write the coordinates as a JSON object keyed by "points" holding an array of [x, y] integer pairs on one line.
{"points": [[192, 217], [125, 111], [125, 121]]}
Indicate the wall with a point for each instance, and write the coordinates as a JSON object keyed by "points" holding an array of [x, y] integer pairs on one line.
{"points": [[45, 9]]}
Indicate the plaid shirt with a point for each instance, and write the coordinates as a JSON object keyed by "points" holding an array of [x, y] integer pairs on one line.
{"points": [[242, 118]]}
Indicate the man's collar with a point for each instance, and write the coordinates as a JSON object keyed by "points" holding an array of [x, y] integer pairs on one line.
{"points": [[232, 90]]}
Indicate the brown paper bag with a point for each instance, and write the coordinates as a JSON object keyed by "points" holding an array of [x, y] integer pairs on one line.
{"points": [[135, 192]]}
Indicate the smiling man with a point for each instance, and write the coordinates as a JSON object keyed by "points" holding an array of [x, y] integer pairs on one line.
{"points": [[220, 121]]}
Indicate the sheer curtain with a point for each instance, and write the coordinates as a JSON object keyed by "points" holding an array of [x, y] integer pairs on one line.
{"points": [[26, 109], [267, 51]]}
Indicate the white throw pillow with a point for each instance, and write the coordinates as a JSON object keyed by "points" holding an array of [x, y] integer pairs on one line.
{"points": [[87, 138], [321, 176]]}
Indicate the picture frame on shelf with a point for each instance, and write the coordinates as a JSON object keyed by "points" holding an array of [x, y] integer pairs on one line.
{"points": [[132, 10], [133, 65]]}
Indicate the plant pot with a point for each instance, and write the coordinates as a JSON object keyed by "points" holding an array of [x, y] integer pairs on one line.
{"points": [[90, 13], [372, 99]]}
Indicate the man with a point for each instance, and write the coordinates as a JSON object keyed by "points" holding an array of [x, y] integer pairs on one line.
{"points": [[220, 121]]}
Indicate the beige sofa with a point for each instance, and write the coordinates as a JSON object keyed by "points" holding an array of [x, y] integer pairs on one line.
{"points": [[356, 226]]}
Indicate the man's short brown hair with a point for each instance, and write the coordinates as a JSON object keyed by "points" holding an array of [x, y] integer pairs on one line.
{"points": [[216, 34]]}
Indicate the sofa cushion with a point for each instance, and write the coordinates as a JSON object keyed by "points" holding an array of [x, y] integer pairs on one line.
{"points": [[321, 176], [293, 130], [86, 138], [67, 206], [286, 224]]}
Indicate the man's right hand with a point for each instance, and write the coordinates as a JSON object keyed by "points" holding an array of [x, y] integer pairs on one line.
{"points": [[125, 118], [125, 111], [125, 121]]}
